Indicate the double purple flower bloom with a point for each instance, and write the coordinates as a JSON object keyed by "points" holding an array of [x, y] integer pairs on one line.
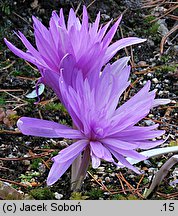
{"points": [[89, 44], [108, 132], [70, 59]]}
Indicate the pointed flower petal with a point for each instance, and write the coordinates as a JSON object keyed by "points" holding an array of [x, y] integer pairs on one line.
{"points": [[44, 128], [71, 151], [115, 47], [158, 102], [57, 170]]}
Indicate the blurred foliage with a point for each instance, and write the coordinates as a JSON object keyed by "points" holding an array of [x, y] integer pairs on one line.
{"points": [[78, 196], [6, 6], [42, 194], [95, 193]]}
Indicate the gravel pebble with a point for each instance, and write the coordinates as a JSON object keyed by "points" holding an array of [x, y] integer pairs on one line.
{"points": [[155, 80], [107, 179], [58, 196]]}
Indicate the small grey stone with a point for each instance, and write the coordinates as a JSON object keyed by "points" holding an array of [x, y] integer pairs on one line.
{"points": [[149, 75], [149, 122], [26, 162], [62, 144], [107, 179], [27, 143], [150, 42], [144, 82], [58, 196], [176, 48], [42, 168], [163, 30], [101, 169], [105, 17], [155, 80], [166, 81], [141, 63], [160, 164], [147, 162]]}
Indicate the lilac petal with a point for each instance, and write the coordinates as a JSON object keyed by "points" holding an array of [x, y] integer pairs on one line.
{"points": [[62, 20], [109, 36], [21, 54], [41, 28], [67, 65], [73, 150], [119, 143], [97, 148], [73, 21], [54, 29], [137, 130], [125, 115], [57, 170], [45, 44], [121, 81], [118, 66], [124, 162], [87, 64], [139, 97], [47, 49], [65, 46], [128, 153], [122, 43], [30, 48], [158, 102], [102, 30], [51, 79], [44, 128], [94, 28], [104, 87], [107, 155], [147, 144], [95, 161], [72, 107], [136, 135], [132, 154], [85, 18], [64, 159]]}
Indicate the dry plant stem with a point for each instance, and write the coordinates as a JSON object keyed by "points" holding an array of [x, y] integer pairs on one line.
{"points": [[75, 167], [74, 170], [13, 182], [175, 28], [81, 170], [161, 174]]}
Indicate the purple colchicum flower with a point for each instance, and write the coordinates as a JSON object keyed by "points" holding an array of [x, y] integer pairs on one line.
{"points": [[103, 131], [84, 41]]}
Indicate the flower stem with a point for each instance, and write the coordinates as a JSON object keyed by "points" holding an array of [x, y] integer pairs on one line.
{"points": [[81, 170], [75, 168]]}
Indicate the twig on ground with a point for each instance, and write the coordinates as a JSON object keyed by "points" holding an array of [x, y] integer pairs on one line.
{"points": [[11, 90], [132, 189], [166, 13], [27, 158], [101, 184], [22, 19], [130, 87], [175, 28], [122, 186], [10, 132], [35, 69], [13, 182], [141, 179], [8, 66]]}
